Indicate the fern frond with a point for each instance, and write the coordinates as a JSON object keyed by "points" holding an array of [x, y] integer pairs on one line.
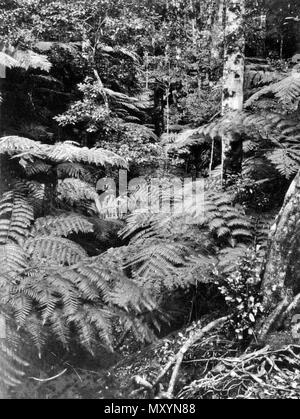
{"points": [[29, 59], [68, 152], [229, 257], [16, 216], [242, 123], [7, 61], [76, 190], [54, 250], [101, 321], [14, 145], [260, 73], [137, 326], [197, 270], [34, 192], [36, 168], [128, 295], [286, 90], [13, 260], [61, 226], [261, 77], [59, 153], [154, 259], [36, 331], [72, 170], [22, 305], [224, 219], [286, 160]]}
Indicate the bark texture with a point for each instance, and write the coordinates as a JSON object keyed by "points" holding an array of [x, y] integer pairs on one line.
{"points": [[233, 80], [281, 277]]}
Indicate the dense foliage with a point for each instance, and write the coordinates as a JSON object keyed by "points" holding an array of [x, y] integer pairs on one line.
{"points": [[102, 86]]}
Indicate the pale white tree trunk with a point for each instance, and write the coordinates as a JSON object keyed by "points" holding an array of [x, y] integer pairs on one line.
{"points": [[233, 80]]}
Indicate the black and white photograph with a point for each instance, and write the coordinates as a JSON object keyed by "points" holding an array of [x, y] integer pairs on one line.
{"points": [[149, 202]]}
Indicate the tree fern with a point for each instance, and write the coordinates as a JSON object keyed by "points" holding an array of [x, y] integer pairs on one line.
{"points": [[160, 243], [72, 170], [61, 226], [286, 90], [58, 153], [54, 250], [76, 190], [225, 220], [7, 61], [229, 257], [258, 76], [36, 168], [64, 152], [51, 284], [286, 160], [29, 59], [15, 145], [155, 261], [104, 290], [13, 261], [34, 192], [273, 136], [16, 216], [13, 57]]}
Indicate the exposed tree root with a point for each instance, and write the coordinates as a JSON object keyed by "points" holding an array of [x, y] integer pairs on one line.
{"points": [[177, 360], [272, 320], [261, 374]]}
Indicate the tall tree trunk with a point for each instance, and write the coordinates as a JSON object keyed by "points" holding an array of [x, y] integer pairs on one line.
{"points": [[217, 47], [297, 36], [261, 45], [281, 277], [233, 81]]}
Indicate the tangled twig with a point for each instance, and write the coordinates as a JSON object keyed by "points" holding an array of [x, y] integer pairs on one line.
{"points": [[249, 375], [46, 380], [178, 358]]}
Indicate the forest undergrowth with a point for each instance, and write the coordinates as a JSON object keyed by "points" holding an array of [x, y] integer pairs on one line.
{"points": [[149, 209]]}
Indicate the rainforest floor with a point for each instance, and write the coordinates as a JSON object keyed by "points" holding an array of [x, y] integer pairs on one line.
{"points": [[215, 368]]}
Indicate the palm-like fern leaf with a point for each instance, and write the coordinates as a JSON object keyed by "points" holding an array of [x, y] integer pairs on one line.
{"points": [[68, 152], [59, 153], [16, 216], [153, 258], [7, 61], [54, 250], [29, 59], [286, 160], [286, 90], [72, 170], [61, 226], [13, 261], [34, 192], [36, 168], [15, 145], [76, 190]]}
